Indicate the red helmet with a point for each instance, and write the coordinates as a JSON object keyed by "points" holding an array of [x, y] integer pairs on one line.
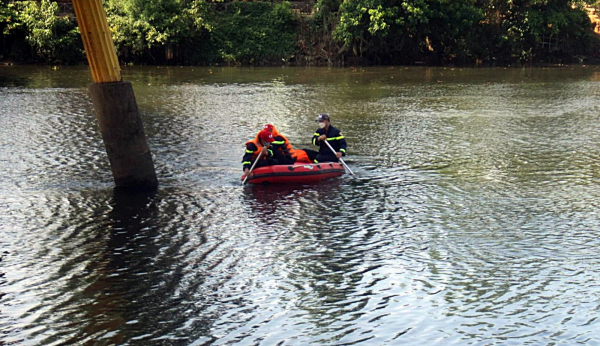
{"points": [[269, 127], [266, 136]]}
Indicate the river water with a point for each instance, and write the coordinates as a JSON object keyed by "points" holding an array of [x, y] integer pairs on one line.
{"points": [[473, 218]]}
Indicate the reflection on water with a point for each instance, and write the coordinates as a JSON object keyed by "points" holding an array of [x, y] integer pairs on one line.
{"points": [[472, 219]]}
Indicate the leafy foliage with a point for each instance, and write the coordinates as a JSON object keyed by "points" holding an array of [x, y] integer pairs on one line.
{"points": [[540, 29], [254, 32], [50, 37], [434, 29], [339, 31], [247, 32], [443, 31], [6, 14]]}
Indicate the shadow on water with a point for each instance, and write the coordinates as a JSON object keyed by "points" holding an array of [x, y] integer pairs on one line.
{"points": [[12, 81], [267, 199], [129, 285], [2, 275], [304, 240]]}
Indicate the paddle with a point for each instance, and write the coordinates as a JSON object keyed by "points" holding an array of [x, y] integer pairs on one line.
{"points": [[251, 168], [342, 161]]}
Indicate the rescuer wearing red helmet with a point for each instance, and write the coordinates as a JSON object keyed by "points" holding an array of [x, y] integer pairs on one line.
{"points": [[262, 143], [277, 150], [283, 150]]}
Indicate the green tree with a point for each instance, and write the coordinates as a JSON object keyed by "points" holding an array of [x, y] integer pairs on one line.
{"points": [[42, 21], [255, 32], [5, 17], [140, 27], [444, 31], [409, 29], [366, 31], [51, 37], [535, 29], [451, 31]]}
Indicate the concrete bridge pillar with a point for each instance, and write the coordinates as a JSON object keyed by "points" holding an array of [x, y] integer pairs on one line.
{"points": [[114, 102]]}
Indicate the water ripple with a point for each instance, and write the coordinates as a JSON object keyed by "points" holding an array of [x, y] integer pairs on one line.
{"points": [[472, 219]]}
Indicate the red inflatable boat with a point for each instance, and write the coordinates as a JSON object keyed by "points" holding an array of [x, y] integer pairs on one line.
{"points": [[297, 173]]}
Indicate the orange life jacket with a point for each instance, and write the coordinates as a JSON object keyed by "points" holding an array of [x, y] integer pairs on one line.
{"points": [[297, 154], [256, 141]]}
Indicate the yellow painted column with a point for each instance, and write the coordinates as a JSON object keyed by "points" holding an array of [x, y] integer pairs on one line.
{"points": [[97, 41], [114, 102]]}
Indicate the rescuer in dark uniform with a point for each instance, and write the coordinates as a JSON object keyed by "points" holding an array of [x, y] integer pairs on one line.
{"points": [[261, 143], [283, 150], [333, 136]]}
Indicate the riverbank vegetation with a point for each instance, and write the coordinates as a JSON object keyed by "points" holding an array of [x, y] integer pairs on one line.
{"points": [[330, 32]]}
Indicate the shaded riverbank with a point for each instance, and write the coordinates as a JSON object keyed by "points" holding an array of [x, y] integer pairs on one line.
{"points": [[321, 33]]}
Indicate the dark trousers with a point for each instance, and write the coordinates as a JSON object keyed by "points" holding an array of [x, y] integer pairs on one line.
{"points": [[326, 158], [283, 159], [266, 162], [315, 155]]}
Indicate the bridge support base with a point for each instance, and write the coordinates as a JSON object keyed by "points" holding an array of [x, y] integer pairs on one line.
{"points": [[124, 138]]}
